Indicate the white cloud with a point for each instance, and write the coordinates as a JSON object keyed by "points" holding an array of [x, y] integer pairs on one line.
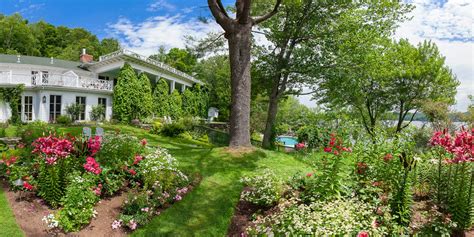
{"points": [[146, 37], [450, 25], [160, 5]]}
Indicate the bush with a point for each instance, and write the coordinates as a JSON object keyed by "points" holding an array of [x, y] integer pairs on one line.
{"points": [[78, 202], [97, 113], [157, 125], [334, 218], [64, 120], [34, 130], [263, 190], [118, 150], [172, 129], [74, 111]]}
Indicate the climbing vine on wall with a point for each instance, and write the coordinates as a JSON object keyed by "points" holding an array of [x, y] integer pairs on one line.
{"points": [[12, 96]]}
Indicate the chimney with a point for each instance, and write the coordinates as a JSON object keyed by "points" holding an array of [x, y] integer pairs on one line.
{"points": [[86, 58]]}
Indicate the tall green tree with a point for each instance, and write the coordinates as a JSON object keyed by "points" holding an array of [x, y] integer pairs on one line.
{"points": [[190, 106], [175, 105], [127, 95], [302, 35], [161, 105], [146, 102], [238, 32], [181, 59], [418, 74], [215, 72]]}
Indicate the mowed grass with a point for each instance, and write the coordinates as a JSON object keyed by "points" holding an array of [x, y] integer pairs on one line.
{"points": [[8, 225], [208, 209]]}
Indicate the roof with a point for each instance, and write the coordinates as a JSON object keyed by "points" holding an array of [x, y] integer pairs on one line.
{"points": [[43, 61]]}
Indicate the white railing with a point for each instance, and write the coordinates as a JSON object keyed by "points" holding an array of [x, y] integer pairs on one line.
{"points": [[57, 80], [148, 60]]}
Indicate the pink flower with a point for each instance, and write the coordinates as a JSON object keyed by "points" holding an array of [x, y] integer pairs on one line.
{"points": [[363, 234], [299, 146], [27, 186], [21, 145], [132, 172], [177, 198], [132, 224], [336, 152], [116, 224], [143, 142], [137, 160], [327, 149], [94, 144], [92, 166], [98, 190], [145, 209], [52, 148]]}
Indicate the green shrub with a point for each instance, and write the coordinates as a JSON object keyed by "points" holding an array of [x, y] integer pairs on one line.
{"points": [[97, 113], [74, 111], [79, 202], [64, 120], [263, 190], [172, 129], [118, 150], [157, 126], [34, 130]]}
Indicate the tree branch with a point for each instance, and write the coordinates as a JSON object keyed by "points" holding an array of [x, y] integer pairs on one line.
{"points": [[243, 11], [260, 19], [220, 14]]}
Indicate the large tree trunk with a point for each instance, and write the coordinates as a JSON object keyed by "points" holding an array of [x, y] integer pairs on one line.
{"points": [[271, 118], [239, 54]]}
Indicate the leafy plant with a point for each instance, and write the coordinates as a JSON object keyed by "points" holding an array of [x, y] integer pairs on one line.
{"points": [[172, 129], [74, 111], [64, 120], [263, 190], [97, 113]]}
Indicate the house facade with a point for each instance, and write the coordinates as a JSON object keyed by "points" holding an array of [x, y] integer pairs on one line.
{"points": [[53, 84]]}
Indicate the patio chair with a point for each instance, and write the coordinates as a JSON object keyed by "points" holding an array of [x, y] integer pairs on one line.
{"points": [[86, 132], [99, 132]]}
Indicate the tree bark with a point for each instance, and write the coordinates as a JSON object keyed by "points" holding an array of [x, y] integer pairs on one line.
{"points": [[239, 54], [271, 118]]}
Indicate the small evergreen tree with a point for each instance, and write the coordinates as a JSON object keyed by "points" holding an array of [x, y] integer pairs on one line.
{"points": [[176, 104], [161, 99], [127, 95], [190, 105], [146, 102]]}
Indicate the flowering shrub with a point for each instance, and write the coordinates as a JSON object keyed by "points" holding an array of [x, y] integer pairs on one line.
{"points": [[119, 150], [78, 202], [263, 190], [334, 218], [94, 144], [52, 148]]}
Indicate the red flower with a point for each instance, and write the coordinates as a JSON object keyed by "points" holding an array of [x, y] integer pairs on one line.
{"points": [[327, 149], [361, 167], [309, 175], [21, 145], [300, 146], [52, 148], [27, 186], [388, 157], [132, 171], [11, 160], [336, 152], [92, 166], [363, 234], [143, 142], [138, 158]]}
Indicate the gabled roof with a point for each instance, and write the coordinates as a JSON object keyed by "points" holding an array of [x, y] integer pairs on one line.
{"points": [[43, 61]]}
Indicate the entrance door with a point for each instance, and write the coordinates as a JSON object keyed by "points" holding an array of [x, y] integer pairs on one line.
{"points": [[54, 107]]}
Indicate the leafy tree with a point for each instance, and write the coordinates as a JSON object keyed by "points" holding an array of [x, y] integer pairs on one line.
{"points": [[238, 32], [18, 36], [181, 59], [418, 75], [305, 31], [161, 98], [146, 102], [175, 104], [127, 95], [469, 115], [215, 72]]}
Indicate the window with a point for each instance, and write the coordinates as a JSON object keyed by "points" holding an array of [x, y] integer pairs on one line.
{"points": [[103, 78], [54, 107], [28, 105], [81, 100], [103, 102]]}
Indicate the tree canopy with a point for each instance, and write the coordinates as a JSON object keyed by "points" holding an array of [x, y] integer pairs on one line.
{"points": [[18, 36]]}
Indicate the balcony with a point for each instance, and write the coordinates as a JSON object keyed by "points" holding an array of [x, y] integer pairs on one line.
{"points": [[41, 79]]}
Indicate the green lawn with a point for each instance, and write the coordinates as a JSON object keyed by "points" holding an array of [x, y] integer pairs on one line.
{"points": [[8, 225], [208, 209]]}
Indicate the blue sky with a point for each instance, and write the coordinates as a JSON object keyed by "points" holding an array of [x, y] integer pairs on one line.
{"points": [[144, 25]]}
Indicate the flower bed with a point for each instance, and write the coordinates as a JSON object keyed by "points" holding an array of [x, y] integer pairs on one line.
{"points": [[71, 175]]}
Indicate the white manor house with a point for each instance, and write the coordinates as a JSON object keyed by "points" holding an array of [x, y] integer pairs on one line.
{"points": [[52, 84]]}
